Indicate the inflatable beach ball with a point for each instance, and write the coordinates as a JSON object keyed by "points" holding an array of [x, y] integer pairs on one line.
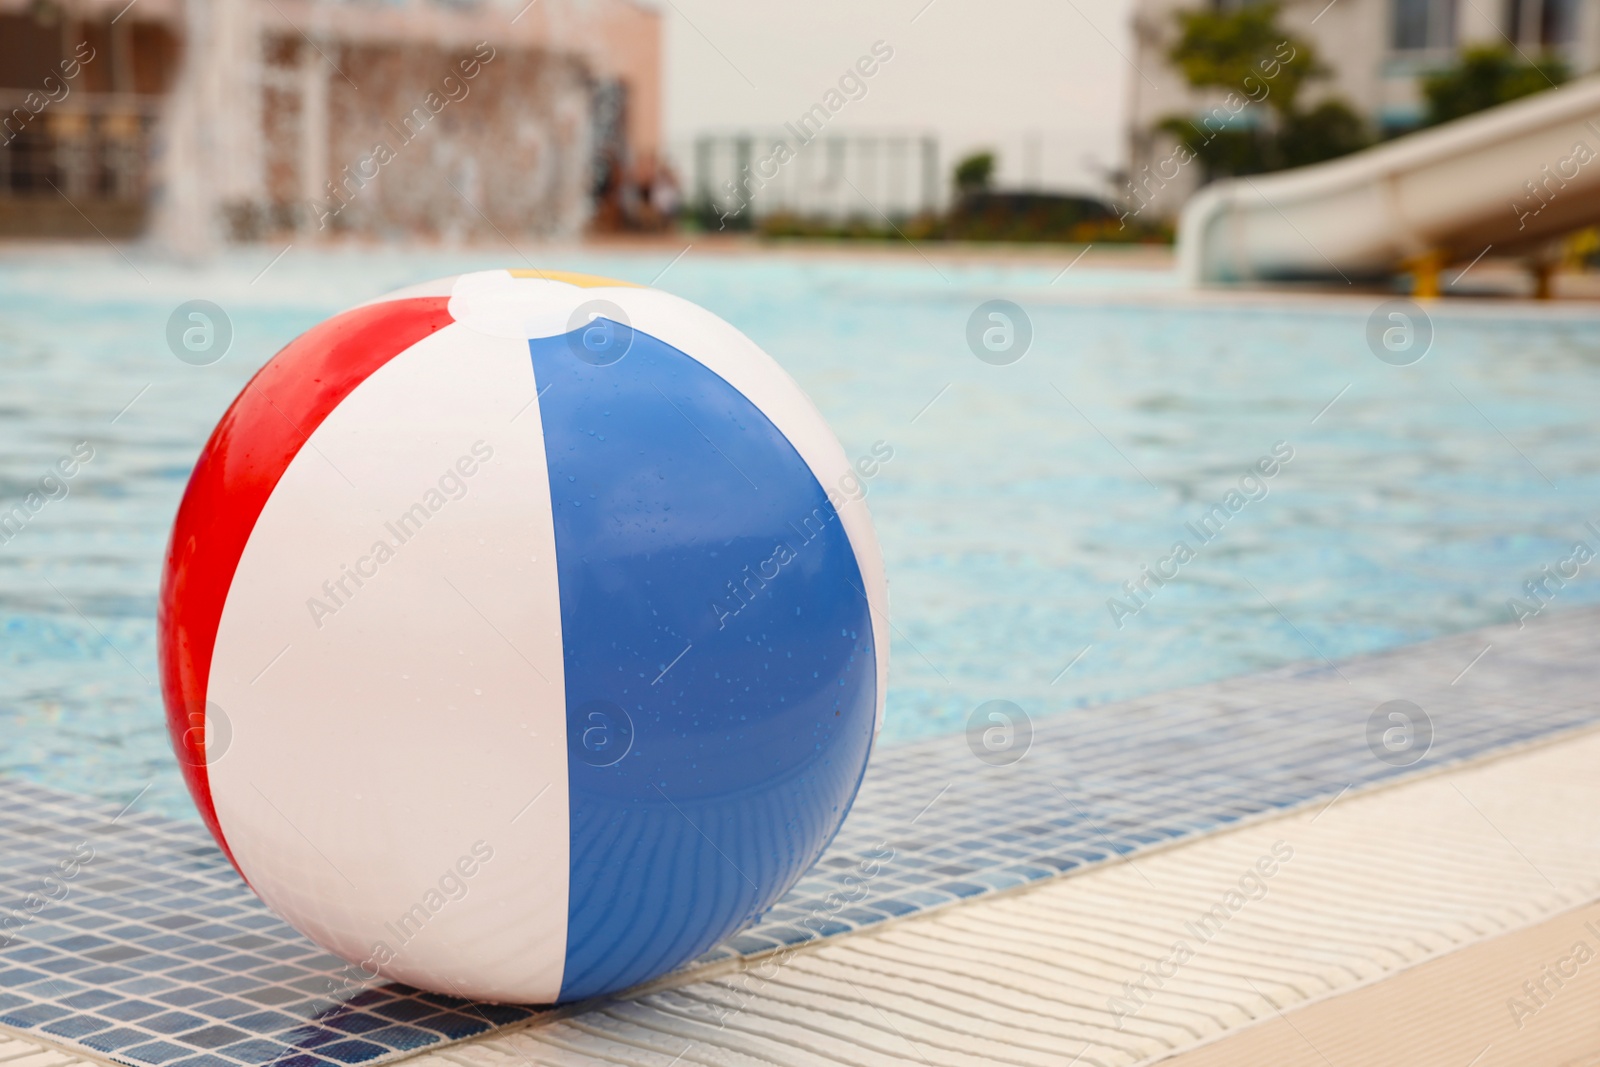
{"points": [[523, 634]]}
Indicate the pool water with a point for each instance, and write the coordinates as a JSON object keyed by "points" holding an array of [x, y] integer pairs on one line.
{"points": [[1018, 501]]}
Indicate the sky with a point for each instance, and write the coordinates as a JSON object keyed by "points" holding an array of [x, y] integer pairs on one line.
{"points": [[1039, 81]]}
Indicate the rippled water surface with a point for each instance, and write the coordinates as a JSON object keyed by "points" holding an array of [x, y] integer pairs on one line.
{"points": [[1018, 500]]}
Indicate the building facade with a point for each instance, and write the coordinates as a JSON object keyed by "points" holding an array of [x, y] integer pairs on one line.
{"points": [[1377, 52], [204, 120]]}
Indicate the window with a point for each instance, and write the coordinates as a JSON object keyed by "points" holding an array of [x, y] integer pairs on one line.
{"points": [[1542, 23], [1426, 24]]}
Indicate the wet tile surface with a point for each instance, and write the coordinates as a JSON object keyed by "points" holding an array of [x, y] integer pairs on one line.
{"points": [[128, 935]]}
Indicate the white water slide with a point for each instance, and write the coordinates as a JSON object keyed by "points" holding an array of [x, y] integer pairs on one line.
{"points": [[1511, 177]]}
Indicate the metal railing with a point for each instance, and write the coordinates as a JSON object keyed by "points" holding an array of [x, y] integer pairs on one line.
{"points": [[94, 146], [742, 177]]}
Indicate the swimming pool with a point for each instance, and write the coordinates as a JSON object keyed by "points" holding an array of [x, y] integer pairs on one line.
{"points": [[1018, 501]]}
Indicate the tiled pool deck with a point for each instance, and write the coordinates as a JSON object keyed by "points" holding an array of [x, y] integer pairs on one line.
{"points": [[153, 952]]}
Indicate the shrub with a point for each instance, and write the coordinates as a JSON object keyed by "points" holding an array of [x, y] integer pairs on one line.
{"points": [[1486, 77], [974, 173]]}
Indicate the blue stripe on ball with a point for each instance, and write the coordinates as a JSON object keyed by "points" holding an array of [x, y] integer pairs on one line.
{"points": [[719, 661]]}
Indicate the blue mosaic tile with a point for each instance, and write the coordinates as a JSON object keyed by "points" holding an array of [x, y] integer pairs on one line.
{"points": [[130, 1010], [157, 1052], [112, 1040], [214, 1036], [172, 1022], [90, 999], [402, 1037], [204, 1060], [146, 986], [453, 1024], [32, 1015], [354, 1052], [304, 1060], [160, 957], [17, 976], [76, 1026], [255, 1050]]}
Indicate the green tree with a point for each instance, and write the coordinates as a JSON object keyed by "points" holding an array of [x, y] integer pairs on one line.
{"points": [[974, 173], [1246, 53], [1486, 77], [1223, 152], [1327, 131], [1242, 50]]}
